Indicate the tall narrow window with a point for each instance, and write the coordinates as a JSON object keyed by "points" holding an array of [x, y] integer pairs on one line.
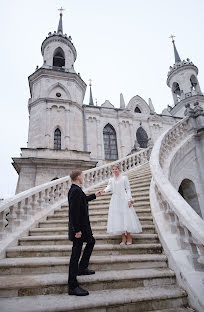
{"points": [[57, 139], [110, 143], [58, 58], [142, 137]]}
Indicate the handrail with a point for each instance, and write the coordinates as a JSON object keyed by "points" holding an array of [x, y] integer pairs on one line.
{"points": [[23, 206], [185, 220]]}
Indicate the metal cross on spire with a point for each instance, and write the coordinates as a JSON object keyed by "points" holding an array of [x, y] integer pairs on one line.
{"points": [[61, 10], [90, 82], [172, 37], [176, 55]]}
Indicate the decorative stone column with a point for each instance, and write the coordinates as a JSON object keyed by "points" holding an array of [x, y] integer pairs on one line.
{"points": [[47, 128], [99, 139], [67, 128]]}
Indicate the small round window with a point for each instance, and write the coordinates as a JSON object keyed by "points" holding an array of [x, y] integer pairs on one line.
{"points": [[58, 94]]}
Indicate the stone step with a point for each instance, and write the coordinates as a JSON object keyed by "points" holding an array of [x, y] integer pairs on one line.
{"points": [[94, 221], [38, 265], [134, 188], [101, 205], [102, 201], [100, 239], [136, 193], [65, 250], [96, 230], [96, 218], [175, 310], [56, 283], [64, 212], [139, 299]]}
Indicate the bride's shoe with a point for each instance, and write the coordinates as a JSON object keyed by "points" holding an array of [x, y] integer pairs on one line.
{"points": [[129, 243], [122, 244]]}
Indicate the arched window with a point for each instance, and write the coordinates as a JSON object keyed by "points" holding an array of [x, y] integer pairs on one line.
{"points": [[193, 82], [176, 91], [142, 137], [57, 139], [110, 143], [137, 110], [188, 192], [58, 58]]}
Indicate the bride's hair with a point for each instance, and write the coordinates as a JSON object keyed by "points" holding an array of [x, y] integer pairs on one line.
{"points": [[117, 166]]}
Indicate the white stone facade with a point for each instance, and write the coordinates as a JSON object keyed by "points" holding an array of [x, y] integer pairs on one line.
{"points": [[56, 104]]}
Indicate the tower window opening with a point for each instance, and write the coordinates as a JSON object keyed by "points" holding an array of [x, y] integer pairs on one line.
{"points": [[57, 139], [58, 58], [110, 143], [193, 82], [176, 91], [137, 110]]}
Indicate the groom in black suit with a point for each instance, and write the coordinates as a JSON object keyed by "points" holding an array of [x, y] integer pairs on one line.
{"points": [[79, 232]]}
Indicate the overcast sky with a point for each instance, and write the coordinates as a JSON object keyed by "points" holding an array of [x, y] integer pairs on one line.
{"points": [[123, 45]]}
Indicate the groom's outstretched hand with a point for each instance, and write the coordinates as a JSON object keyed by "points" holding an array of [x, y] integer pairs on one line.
{"points": [[99, 193]]}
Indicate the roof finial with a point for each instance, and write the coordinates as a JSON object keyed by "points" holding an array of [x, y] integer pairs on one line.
{"points": [[60, 28], [176, 55], [90, 97]]}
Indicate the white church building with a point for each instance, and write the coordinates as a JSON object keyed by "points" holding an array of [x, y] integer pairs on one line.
{"points": [[64, 133], [163, 157]]}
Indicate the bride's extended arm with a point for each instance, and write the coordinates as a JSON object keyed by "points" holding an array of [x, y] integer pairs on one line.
{"points": [[127, 187], [108, 187]]}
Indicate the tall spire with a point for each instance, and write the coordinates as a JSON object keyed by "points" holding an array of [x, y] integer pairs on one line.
{"points": [[176, 55], [90, 97], [60, 28]]}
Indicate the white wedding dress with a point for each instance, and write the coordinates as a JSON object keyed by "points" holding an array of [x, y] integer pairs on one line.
{"points": [[121, 217]]}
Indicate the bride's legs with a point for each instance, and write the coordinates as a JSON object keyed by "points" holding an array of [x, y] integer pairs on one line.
{"points": [[123, 239], [129, 239]]}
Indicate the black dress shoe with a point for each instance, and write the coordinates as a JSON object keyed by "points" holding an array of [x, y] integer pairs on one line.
{"points": [[86, 272], [78, 291]]}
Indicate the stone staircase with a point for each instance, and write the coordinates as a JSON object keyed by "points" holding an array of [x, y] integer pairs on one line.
{"points": [[135, 278]]}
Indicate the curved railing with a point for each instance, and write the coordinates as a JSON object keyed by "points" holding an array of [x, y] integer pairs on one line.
{"points": [[179, 226], [17, 210]]}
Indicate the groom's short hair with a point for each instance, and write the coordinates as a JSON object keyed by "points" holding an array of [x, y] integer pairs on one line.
{"points": [[74, 174]]}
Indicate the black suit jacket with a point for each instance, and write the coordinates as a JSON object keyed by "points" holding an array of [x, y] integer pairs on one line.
{"points": [[78, 212]]}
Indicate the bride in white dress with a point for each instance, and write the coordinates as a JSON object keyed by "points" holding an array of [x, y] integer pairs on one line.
{"points": [[122, 218]]}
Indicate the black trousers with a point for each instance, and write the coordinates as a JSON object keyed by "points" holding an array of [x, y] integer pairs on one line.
{"points": [[74, 264]]}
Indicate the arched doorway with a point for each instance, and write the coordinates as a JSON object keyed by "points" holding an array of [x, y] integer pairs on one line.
{"points": [[188, 192], [142, 137], [110, 143]]}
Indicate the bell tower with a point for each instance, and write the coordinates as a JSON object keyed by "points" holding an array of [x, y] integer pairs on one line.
{"points": [[183, 81], [56, 134]]}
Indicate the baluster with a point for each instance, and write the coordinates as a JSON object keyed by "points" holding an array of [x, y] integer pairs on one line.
{"points": [[40, 201], [17, 214], [52, 195], [57, 192], [3, 223], [25, 209], [46, 197], [194, 255], [34, 205]]}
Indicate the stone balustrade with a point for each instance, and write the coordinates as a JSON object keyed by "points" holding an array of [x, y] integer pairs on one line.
{"points": [[19, 209], [183, 220], [180, 228]]}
